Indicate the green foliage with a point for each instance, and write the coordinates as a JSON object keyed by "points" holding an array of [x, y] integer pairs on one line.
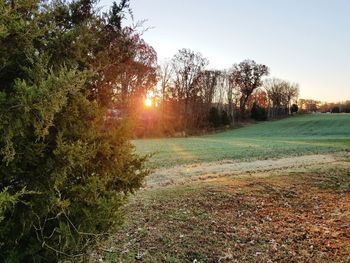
{"points": [[8, 201], [65, 169], [214, 117], [258, 113]]}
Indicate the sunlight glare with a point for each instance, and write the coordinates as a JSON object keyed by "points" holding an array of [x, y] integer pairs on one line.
{"points": [[148, 102]]}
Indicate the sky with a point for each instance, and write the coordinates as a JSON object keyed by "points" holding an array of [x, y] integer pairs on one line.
{"points": [[303, 41]]}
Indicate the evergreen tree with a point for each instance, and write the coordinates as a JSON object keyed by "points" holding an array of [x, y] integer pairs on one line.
{"points": [[225, 119], [258, 113], [65, 168], [214, 117], [294, 108]]}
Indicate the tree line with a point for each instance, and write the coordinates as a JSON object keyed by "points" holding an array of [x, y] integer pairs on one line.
{"points": [[312, 106], [193, 97]]}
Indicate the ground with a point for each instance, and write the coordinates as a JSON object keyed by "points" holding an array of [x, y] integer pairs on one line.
{"points": [[292, 206]]}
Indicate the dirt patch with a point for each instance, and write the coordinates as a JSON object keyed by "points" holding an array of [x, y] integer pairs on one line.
{"points": [[187, 173]]}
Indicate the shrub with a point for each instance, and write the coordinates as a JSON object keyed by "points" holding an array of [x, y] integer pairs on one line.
{"points": [[336, 109], [65, 169], [258, 113], [214, 117], [225, 119], [294, 108]]}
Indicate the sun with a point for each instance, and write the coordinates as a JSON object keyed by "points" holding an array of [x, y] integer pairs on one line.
{"points": [[148, 102]]}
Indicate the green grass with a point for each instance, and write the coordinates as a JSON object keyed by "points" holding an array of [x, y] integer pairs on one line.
{"points": [[286, 215], [308, 134]]}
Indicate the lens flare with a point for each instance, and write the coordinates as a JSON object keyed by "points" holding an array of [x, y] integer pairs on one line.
{"points": [[148, 102]]}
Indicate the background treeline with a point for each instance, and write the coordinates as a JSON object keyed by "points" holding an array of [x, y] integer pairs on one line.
{"points": [[190, 97], [309, 106]]}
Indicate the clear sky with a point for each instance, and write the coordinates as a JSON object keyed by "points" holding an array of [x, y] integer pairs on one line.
{"points": [[304, 41]]}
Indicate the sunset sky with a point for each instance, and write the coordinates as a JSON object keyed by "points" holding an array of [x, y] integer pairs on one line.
{"points": [[304, 41]]}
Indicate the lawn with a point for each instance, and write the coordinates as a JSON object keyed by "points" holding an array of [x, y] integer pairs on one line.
{"points": [[276, 191], [308, 134]]}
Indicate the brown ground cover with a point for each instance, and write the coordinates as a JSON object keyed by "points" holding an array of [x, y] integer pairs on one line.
{"points": [[289, 214]]}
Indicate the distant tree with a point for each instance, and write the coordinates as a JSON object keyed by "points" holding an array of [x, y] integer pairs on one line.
{"points": [[275, 92], [260, 97], [308, 105], [247, 76], [136, 73], [294, 108], [232, 94], [165, 73], [328, 106], [214, 117], [345, 106], [336, 109], [280, 94], [258, 113], [187, 65], [225, 119], [208, 82], [291, 92]]}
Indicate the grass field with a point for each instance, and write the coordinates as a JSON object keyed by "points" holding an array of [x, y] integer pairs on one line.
{"points": [[270, 192], [318, 133]]}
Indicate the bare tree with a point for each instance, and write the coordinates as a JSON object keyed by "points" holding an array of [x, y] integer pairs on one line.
{"points": [[280, 94], [309, 105], [208, 84], [138, 73], [274, 88], [247, 76], [291, 92], [187, 66], [233, 97], [165, 72], [221, 89]]}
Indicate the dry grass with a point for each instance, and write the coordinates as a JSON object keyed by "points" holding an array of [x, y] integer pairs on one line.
{"points": [[214, 170], [274, 216]]}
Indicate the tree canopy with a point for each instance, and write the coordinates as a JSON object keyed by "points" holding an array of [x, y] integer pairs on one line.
{"points": [[247, 76]]}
